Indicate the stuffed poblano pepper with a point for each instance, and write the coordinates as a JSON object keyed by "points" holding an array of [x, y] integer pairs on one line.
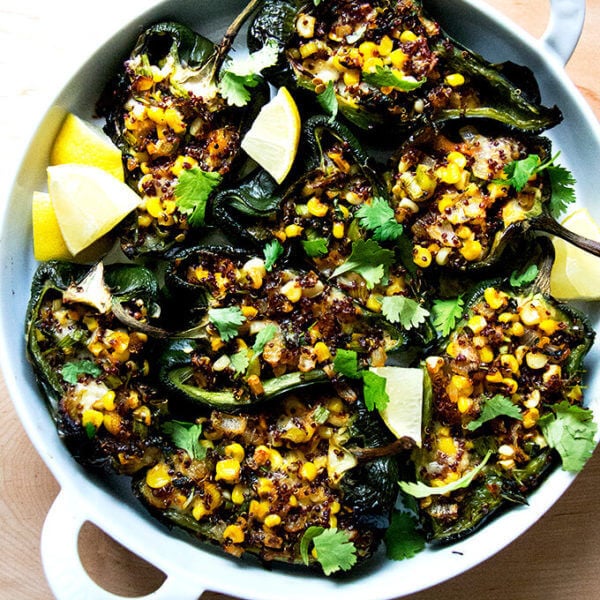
{"points": [[464, 194], [390, 64], [91, 367], [282, 483], [506, 405], [173, 114], [263, 331]]}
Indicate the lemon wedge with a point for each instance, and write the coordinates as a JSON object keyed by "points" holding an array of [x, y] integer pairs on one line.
{"points": [[83, 143], [272, 140], [403, 414], [576, 273], [48, 242], [88, 203]]}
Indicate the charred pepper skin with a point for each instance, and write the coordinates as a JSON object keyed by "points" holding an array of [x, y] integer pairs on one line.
{"points": [[392, 65]]}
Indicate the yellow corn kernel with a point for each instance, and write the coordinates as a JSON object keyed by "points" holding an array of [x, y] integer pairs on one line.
{"points": [[445, 204], [308, 49], [255, 385], [272, 520], [237, 494], [450, 173], [308, 471], [477, 324], [421, 256], [175, 120], [305, 25], [156, 114], [462, 383], [374, 303], [368, 49], [553, 372], [486, 354], [549, 326], [507, 317], [494, 377], [235, 451], [338, 230], [154, 206], [351, 77], [264, 487], [510, 362], [234, 533], [249, 312], [143, 415], [293, 230], [464, 232], [464, 404], [530, 314], [457, 157], [530, 418], [108, 400], [293, 501], [259, 509], [371, 63], [516, 329], [446, 445], [255, 271], [495, 298], [158, 476], [471, 250], [386, 45], [455, 79], [316, 208], [263, 455], [322, 351], [453, 349], [398, 58], [93, 417], [408, 36], [216, 343], [112, 423], [228, 470], [292, 290], [511, 385]]}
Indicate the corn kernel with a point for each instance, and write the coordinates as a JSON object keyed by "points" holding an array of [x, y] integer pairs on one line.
{"points": [[368, 49], [292, 290], [259, 509], [316, 207], [308, 471], [450, 173], [457, 157], [92, 417], [398, 58], [421, 256], [237, 494], [455, 79], [495, 298], [272, 520], [322, 351], [549, 326], [453, 349], [494, 377], [477, 324], [462, 383], [507, 317], [408, 36], [371, 63], [255, 270], [530, 418], [486, 354], [249, 312], [471, 250], [338, 230], [227, 470], [234, 533], [510, 362], [516, 329], [511, 385], [142, 414], [351, 77], [374, 303], [293, 230], [235, 451], [108, 400], [386, 45], [446, 445], [445, 203], [464, 404], [158, 476]]}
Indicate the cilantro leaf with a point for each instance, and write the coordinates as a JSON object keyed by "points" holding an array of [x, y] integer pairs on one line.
{"points": [[192, 192], [406, 311], [497, 406], [421, 490], [446, 313], [379, 218], [243, 73], [315, 247], [333, 549], [570, 430], [346, 363], [527, 276], [563, 192], [374, 392], [272, 251], [263, 337], [226, 320], [369, 260], [519, 171], [402, 540], [328, 101], [71, 370], [186, 436], [240, 361], [386, 77]]}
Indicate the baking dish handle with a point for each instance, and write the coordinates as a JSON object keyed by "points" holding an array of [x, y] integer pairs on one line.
{"points": [[66, 575], [564, 28]]}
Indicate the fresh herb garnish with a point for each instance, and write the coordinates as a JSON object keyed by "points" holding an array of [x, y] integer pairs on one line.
{"points": [[272, 251], [570, 430], [378, 217], [328, 101], [315, 247], [240, 361], [402, 539], [192, 191], [186, 436], [496, 406], [345, 363], [72, 370], [446, 313], [333, 549], [406, 311], [226, 320], [369, 260], [527, 276], [421, 490], [386, 77]]}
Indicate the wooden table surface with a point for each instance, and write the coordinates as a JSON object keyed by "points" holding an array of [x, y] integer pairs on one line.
{"points": [[559, 557]]}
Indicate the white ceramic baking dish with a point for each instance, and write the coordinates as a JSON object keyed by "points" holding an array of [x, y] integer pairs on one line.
{"points": [[191, 569]]}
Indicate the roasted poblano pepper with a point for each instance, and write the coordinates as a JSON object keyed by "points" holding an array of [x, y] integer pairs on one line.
{"points": [[91, 367], [451, 189], [257, 482], [515, 355], [260, 333], [390, 64], [166, 113]]}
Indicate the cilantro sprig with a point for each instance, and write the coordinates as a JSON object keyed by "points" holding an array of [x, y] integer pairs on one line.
{"points": [[272, 251], [446, 313], [386, 77], [333, 549], [496, 406], [328, 101], [192, 192], [227, 321], [369, 260], [71, 371], [406, 311], [402, 538], [378, 217], [186, 436]]}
